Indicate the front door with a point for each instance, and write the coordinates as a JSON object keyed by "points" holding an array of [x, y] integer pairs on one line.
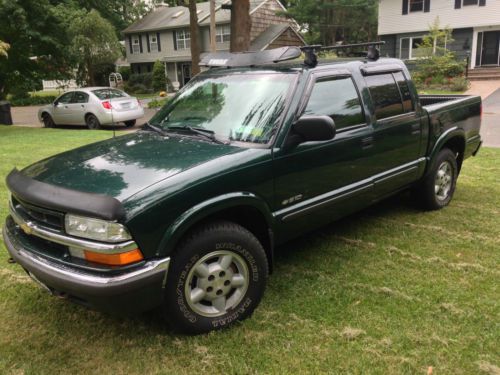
{"points": [[317, 182], [61, 112], [490, 53], [186, 73]]}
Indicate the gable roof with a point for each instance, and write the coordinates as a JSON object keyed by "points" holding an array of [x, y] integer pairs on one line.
{"points": [[269, 35], [175, 17]]}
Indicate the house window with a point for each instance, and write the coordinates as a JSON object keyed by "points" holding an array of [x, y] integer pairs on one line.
{"points": [[417, 5], [223, 34], [471, 2], [183, 39], [408, 48], [153, 42], [136, 45]]}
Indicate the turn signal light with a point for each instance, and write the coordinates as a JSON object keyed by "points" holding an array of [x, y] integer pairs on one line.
{"points": [[107, 105], [119, 259]]}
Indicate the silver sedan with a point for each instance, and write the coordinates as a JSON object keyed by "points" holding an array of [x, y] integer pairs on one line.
{"points": [[92, 106]]}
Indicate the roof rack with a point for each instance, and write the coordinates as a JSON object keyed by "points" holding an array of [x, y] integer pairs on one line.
{"points": [[231, 60], [249, 59], [372, 54]]}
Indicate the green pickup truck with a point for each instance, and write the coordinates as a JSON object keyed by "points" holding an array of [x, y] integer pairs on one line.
{"points": [[255, 151]]}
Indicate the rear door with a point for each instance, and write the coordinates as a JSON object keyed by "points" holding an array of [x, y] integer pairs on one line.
{"points": [[317, 182], [397, 132]]}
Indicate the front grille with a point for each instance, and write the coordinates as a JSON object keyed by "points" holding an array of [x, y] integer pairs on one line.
{"points": [[42, 216]]}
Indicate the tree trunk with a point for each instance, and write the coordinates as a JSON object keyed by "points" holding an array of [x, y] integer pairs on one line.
{"points": [[195, 38], [241, 24]]}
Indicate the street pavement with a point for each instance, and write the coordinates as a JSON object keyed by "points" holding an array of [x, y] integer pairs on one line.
{"points": [[490, 127]]}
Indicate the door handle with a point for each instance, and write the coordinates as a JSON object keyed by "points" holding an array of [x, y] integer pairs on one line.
{"points": [[415, 129], [367, 143]]}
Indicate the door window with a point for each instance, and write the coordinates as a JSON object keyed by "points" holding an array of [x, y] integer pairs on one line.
{"points": [[337, 98], [385, 95], [66, 98], [80, 97]]}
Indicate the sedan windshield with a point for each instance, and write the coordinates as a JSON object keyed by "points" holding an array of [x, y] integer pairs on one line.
{"points": [[238, 107]]}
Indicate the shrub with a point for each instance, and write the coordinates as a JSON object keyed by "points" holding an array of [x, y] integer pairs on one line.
{"points": [[125, 72], [159, 79], [145, 79], [32, 100], [157, 103], [459, 84]]}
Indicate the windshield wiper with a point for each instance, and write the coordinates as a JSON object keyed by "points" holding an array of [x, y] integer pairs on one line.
{"points": [[155, 128], [209, 134]]}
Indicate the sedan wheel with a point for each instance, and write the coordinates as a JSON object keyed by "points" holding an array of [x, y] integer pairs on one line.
{"points": [[47, 121], [92, 122]]}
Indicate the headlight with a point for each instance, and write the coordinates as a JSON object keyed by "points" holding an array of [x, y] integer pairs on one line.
{"points": [[95, 229]]}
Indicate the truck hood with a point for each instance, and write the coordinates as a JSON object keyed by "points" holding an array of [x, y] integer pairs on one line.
{"points": [[122, 166]]}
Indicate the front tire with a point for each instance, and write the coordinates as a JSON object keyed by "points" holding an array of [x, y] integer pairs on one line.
{"points": [[438, 186], [217, 277], [48, 122], [92, 122]]}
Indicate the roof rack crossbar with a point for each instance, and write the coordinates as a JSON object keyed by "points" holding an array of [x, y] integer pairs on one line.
{"points": [[311, 59]]}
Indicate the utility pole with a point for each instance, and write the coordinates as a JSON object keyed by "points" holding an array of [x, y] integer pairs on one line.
{"points": [[213, 46]]}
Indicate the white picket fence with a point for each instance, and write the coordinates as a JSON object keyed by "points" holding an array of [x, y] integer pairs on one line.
{"points": [[59, 85]]}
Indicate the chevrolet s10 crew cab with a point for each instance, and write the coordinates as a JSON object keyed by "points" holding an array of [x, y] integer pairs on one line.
{"points": [[253, 152]]}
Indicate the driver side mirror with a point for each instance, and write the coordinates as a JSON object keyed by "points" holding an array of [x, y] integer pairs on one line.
{"points": [[311, 129]]}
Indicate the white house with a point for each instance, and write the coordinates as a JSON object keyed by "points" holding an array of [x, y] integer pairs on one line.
{"points": [[475, 24]]}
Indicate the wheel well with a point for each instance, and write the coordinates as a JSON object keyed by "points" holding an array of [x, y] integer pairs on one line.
{"points": [[87, 115], [457, 145], [249, 218], [44, 114]]}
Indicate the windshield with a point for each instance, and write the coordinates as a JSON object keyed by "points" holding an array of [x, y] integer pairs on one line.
{"points": [[108, 93], [238, 107]]}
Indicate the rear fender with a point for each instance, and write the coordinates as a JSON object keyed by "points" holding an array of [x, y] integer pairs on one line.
{"points": [[454, 132]]}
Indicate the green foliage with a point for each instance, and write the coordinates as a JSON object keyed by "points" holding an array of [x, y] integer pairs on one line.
{"points": [[125, 71], [94, 45], [38, 40], [329, 21], [436, 65], [145, 79], [158, 103], [159, 79], [459, 84], [32, 100]]}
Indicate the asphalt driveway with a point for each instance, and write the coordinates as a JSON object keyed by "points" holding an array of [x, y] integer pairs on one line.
{"points": [[490, 128]]}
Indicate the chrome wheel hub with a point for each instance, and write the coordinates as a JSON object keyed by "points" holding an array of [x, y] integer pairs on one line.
{"points": [[216, 283], [443, 181]]}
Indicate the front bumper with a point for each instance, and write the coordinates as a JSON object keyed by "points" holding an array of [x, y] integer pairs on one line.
{"points": [[133, 291]]}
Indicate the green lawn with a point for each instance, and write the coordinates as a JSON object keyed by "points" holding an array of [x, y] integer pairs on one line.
{"points": [[391, 290]]}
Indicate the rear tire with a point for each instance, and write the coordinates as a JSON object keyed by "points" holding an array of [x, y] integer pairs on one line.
{"points": [[217, 277], [130, 123], [48, 122], [436, 190], [92, 122]]}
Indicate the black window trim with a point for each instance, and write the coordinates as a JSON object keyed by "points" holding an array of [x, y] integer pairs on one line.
{"points": [[333, 74]]}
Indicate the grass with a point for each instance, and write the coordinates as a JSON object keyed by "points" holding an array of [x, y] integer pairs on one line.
{"points": [[439, 92], [391, 290]]}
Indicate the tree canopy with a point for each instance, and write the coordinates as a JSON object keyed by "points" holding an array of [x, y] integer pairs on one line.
{"points": [[94, 45], [331, 21]]}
